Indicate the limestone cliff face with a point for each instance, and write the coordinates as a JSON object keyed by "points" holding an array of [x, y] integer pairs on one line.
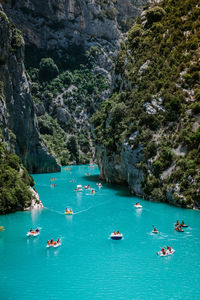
{"points": [[57, 24], [147, 134], [55, 27], [122, 168], [17, 115]]}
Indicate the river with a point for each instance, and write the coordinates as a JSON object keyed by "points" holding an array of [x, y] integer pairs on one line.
{"points": [[88, 264]]}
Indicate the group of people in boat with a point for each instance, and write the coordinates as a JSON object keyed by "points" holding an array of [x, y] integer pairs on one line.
{"points": [[155, 229], [87, 187], [115, 233], [165, 251], [78, 189], [99, 184], [179, 226], [34, 231], [52, 242], [68, 210]]}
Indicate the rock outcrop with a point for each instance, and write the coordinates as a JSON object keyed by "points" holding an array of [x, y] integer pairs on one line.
{"points": [[122, 168], [17, 113], [58, 24], [35, 202]]}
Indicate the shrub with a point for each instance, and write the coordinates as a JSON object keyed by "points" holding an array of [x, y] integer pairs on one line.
{"points": [[134, 35], [155, 14], [48, 69], [158, 195], [196, 108], [118, 112], [157, 167], [149, 120], [72, 146], [14, 183]]}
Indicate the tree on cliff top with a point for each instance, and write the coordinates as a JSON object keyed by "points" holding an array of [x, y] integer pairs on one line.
{"points": [[48, 69]]}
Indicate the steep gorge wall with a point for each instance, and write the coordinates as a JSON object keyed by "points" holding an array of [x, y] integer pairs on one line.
{"points": [[147, 134], [17, 114], [94, 29], [57, 24]]}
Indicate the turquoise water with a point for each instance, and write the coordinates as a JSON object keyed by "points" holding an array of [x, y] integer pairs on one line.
{"points": [[89, 265]]}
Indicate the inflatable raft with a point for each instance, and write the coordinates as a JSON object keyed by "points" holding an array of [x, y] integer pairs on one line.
{"points": [[167, 253]]}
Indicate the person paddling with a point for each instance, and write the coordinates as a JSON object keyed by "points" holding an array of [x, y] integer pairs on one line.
{"points": [[169, 249], [177, 223], [155, 229]]}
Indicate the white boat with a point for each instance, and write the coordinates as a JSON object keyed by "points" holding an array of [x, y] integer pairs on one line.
{"points": [[116, 236], [33, 233], [167, 253], [79, 188], [99, 184], [138, 206], [54, 245]]}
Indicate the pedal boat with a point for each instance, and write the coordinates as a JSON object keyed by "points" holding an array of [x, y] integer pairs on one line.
{"points": [[117, 236], [54, 245], [69, 212], [138, 206], [167, 253], [32, 233]]}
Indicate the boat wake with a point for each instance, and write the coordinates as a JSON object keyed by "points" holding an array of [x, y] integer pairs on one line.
{"points": [[100, 204], [78, 212], [81, 211], [55, 211]]}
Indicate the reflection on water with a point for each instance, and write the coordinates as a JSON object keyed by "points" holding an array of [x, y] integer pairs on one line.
{"points": [[138, 211], [35, 214]]}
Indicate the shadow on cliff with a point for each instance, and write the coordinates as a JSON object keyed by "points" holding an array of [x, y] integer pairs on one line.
{"points": [[121, 190]]}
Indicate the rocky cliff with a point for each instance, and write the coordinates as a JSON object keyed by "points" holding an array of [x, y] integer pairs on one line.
{"points": [[17, 118], [82, 37], [148, 133], [58, 24]]}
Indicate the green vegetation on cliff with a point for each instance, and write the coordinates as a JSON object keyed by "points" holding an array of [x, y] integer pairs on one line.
{"points": [[66, 91], [15, 182], [156, 101]]}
